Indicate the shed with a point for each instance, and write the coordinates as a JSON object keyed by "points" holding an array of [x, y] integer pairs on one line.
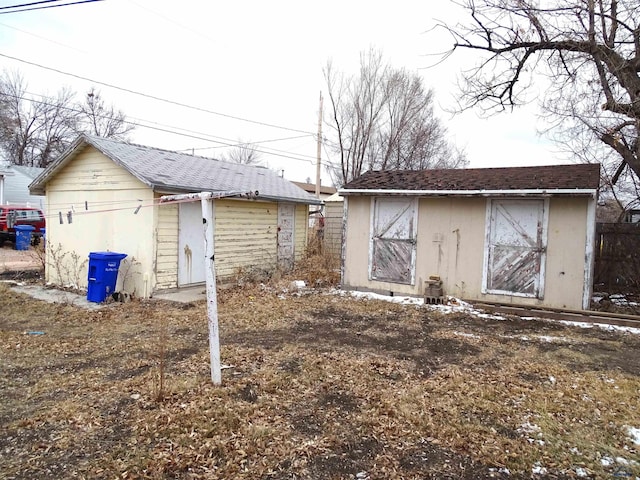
{"points": [[104, 195], [521, 235]]}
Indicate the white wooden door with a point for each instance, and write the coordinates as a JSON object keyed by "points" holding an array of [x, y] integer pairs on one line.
{"points": [[393, 240], [286, 240], [516, 247], [191, 264]]}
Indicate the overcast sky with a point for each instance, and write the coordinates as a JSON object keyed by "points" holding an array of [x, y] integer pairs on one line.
{"points": [[256, 64]]}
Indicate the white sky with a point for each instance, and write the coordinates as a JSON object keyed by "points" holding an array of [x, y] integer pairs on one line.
{"points": [[256, 60]]}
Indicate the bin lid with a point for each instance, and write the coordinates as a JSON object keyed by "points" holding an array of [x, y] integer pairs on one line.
{"points": [[107, 255], [24, 227]]}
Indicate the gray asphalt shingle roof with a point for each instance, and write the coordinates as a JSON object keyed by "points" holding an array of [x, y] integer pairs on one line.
{"points": [[174, 172]]}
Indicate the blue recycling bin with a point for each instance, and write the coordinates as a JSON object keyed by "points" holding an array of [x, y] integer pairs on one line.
{"points": [[103, 274], [23, 236]]}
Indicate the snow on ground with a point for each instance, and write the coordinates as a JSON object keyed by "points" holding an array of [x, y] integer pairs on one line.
{"points": [[634, 434], [457, 305], [530, 431]]}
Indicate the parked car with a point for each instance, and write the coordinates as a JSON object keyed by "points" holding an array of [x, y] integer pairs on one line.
{"points": [[12, 215]]}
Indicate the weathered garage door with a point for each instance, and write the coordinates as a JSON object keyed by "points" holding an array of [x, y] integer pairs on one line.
{"points": [[191, 264], [516, 248], [286, 228], [393, 240]]}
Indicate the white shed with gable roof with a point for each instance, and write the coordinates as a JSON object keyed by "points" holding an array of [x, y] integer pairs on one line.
{"points": [[104, 195]]}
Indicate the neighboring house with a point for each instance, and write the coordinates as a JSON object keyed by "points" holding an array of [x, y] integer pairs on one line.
{"points": [[310, 188], [314, 210], [104, 195], [3, 174], [509, 235], [16, 186]]}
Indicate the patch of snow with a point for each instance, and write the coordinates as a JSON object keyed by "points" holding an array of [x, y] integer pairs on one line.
{"points": [[551, 339], [603, 326], [393, 299], [552, 379], [457, 305], [582, 472], [607, 461], [297, 284], [634, 434], [538, 469]]}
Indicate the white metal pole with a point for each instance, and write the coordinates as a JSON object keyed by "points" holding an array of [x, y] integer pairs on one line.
{"points": [[210, 277]]}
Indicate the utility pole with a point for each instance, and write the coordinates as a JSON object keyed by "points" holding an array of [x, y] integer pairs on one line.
{"points": [[319, 155]]}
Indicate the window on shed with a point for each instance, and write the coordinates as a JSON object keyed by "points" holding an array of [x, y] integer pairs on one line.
{"points": [[393, 240]]}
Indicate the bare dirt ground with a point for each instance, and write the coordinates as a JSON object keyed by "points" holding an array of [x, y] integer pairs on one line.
{"points": [[12, 260], [319, 386]]}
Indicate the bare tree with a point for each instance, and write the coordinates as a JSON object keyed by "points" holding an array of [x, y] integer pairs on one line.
{"points": [[33, 132], [96, 118], [35, 129], [244, 153], [383, 119], [588, 49]]}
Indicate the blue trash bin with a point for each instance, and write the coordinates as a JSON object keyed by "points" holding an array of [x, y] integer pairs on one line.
{"points": [[23, 236], [103, 274]]}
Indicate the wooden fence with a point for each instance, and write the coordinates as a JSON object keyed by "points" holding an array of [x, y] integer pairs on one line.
{"points": [[617, 262]]}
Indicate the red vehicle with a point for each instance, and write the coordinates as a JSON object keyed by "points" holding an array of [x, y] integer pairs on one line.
{"points": [[12, 215]]}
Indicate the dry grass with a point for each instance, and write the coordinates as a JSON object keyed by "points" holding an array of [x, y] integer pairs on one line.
{"points": [[321, 386]]}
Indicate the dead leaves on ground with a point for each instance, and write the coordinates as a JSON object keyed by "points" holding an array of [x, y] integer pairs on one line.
{"points": [[320, 386]]}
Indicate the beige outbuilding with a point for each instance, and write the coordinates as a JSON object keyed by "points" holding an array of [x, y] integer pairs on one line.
{"points": [[104, 195], [522, 235]]}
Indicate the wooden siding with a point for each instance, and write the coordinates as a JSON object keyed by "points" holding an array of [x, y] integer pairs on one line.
{"points": [[166, 265], [301, 226], [245, 236]]}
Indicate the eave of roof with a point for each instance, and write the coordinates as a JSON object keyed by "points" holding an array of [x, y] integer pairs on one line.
{"points": [[473, 193], [574, 179]]}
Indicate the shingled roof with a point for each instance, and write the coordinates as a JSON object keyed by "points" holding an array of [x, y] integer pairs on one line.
{"points": [[173, 172], [565, 178]]}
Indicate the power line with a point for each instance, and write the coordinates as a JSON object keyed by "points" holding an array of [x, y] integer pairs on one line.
{"points": [[41, 37], [44, 6], [190, 134], [153, 97], [28, 4]]}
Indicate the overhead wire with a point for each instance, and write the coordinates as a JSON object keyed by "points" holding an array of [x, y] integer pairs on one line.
{"points": [[28, 4], [152, 97], [42, 7], [189, 133], [42, 38]]}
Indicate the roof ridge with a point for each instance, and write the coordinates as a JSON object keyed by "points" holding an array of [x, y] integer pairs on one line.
{"points": [[157, 149]]}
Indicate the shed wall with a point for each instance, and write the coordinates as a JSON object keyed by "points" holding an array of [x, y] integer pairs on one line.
{"points": [[451, 242], [245, 236], [166, 267], [102, 198], [245, 239]]}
